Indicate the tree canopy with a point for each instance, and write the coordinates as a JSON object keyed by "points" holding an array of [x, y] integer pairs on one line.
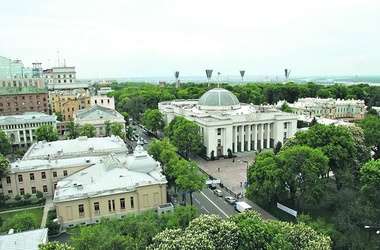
{"points": [[6, 143], [88, 130], [46, 133]]}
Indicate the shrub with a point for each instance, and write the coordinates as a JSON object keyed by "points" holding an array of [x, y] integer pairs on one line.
{"points": [[27, 196], [17, 197], [39, 194]]}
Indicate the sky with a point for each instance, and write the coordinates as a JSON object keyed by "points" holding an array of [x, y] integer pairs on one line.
{"points": [[154, 38]]}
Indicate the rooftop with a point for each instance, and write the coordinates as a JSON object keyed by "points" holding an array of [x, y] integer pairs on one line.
{"points": [[24, 240], [21, 90]]}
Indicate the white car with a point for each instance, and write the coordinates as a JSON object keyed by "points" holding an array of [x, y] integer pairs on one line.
{"points": [[218, 192]]}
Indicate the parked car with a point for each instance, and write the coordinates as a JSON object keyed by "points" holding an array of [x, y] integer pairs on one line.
{"points": [[218, 192], [212, 185], [231, 200]]}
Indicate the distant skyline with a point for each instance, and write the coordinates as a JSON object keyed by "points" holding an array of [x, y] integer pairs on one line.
{"points": [[152, 38]]}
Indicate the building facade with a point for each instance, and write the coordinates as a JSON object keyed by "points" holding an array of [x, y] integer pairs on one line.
{"points": [[21, 128], [328, 108], [17, 101], [45, 163], [104, 101], [228, 125], [97, 116]]}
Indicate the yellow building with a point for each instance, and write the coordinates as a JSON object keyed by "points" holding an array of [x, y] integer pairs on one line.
{"points": [[69, 101], [114, 187], [45, 163]]}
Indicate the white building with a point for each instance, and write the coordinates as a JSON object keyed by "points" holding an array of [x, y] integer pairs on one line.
{"points": [[47, 162], [97, 116], [21, 128], [104, 101], [328, 108], [225, 123], [114, 187], [24, 240]]}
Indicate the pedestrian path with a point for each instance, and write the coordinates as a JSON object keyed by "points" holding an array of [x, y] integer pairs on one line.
{"points": [[48, 205]]}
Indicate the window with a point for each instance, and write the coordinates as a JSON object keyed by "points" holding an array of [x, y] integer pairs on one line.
{"points": [[96, 207], [132, 203], [81, 209], [10, 192], [111, 205], [43, 175], [64, 172], [20, 178], [285, 125], [219, 142], [54, 173], [44, 187], [219, 131], [34, 190], [32, 176], [122, 203], [9, 180], [22, 191]]}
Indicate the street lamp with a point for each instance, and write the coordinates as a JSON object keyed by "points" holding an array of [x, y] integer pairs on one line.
{"points": [[369, 227], [245, 162]]}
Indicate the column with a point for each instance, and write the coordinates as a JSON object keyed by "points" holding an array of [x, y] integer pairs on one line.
{"points": [[241, 135], [254, 132], [268, 135], [249, 134], [260, 129]]}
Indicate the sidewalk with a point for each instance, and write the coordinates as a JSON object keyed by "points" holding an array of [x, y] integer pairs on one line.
{"points": [[48, 206]]}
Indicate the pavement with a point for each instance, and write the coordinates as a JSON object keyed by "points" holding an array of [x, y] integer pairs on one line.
{"points": [[232, 173], [48, 205]]}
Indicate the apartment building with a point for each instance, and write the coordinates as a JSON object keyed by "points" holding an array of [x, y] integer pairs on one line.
{"points": [[20, 100]]}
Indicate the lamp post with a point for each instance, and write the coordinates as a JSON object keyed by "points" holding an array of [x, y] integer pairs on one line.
{"points": [[371, 227], [245, 162]]}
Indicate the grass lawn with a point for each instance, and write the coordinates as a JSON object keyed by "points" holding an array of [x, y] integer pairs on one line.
{"points": [[37, 214]]}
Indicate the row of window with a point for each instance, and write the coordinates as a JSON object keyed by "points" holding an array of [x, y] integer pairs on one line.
{"points": [[111, 206], [26, 125], [32, 177], [9, 84], [33, 189]]}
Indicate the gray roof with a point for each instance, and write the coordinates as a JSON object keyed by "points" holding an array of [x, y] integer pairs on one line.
{"points": [[108, 177], [79, 147], [96, 112], [32, 117], [219, 97], [24, 240]]}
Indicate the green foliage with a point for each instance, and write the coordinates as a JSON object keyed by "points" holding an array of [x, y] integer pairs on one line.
{"points": [[4, 166], [204, 232], [74, 129], [185, 136], [302, 169], [27, 196], [54, 245], [337, 143], [88, 130], [188, 179], [117, 129], [6, 143], [22, 221], [153, 120], [108, 127], [54, 227], [370, 125], [285, 108], [277, 147], [59, 116], [370, 181], [39, 194], [46, 133], [17, 197]]}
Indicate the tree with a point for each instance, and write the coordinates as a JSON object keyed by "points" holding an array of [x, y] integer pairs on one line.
{"points": [[204, 232], [74, 129], [4, 166], [6, 143], [59, 116], [370, 125], [188, 179], [264, 178], [370, 181], [285, 108], [108, 127], [185, 136], [88, 130], [117, 129], [337, 144], [55, 245], [46, 133], [277, 147], [302, 169], [153, 120], [22, 221]]}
